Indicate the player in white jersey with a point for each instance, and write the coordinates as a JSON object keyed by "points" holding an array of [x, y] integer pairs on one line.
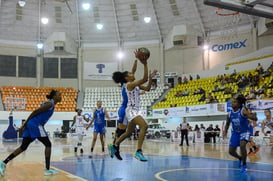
{"points": [[133, 107], [79, 121], [268, 122]]}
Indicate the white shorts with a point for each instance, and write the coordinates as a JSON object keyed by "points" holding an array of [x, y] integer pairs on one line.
{"points": [[131, 113], [80, 130]]}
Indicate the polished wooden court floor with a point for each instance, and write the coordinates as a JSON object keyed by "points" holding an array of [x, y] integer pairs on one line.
{"points": [[166, 159]]}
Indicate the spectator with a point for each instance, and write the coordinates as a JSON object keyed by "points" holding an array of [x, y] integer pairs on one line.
{"points": [[259, 69], [217, 130], [179, 80], [185, 80], [234, 72], [191, 78], [202, 127], [216, 88], [197, 77], [210, 134], [196, 128], [186, 93], [209, 98], [202, 98]]}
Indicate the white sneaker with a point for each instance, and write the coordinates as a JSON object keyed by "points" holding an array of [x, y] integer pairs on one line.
{"points": [[50, 172], [2, 168]]}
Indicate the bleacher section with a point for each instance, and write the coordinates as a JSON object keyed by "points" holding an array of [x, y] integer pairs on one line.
{"points": [[173, 99], [111, 97], [34, 96]]}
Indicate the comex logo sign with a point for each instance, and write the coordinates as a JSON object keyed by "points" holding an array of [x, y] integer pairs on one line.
{"points": [[228, 46]]}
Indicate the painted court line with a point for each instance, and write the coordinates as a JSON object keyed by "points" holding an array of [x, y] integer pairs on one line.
{"points": [[158, 175]]}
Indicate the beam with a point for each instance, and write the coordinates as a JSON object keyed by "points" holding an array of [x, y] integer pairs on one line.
{"points": [[199, 18], [240, 8], [116, 22], [156, 21]]}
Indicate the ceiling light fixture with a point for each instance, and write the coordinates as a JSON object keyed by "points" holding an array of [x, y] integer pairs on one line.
{"points": [[86, 6], [22, 3], [120, 55], [99, 26], [44, 20], [205, 47], [147, 19], [40, 45]]}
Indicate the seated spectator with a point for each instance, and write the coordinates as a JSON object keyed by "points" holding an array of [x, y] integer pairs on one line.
{"points": [[185, 80], [234, 72], [197, 77], [251, 95], [214, 100], [228, 91], [210, 134], [203, 98], [179, 94], [222, 87], [199, 91], [186, 92], [209, 98], [191, 78], [179, 80], [261, 90], [216, 88], [259, 69]]}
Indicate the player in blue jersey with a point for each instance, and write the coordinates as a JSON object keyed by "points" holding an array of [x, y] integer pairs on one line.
{"points": [[132, 112], [240, 135], [99, 124], [33, 128]]}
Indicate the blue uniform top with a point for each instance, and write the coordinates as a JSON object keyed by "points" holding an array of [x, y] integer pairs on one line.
{"points": [[239, 122], [35, 126], [99, 117], [43, 117], [124, 96]]}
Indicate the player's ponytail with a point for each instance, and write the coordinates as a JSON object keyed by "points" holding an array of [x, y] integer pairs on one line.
{"points": [[119, 77], [51, 94]]}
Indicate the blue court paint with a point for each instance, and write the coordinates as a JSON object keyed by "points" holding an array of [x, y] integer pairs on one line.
{"points": [[172, 168]]}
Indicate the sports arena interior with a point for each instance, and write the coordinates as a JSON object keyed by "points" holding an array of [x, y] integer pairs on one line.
{"points": [[205, 52]]}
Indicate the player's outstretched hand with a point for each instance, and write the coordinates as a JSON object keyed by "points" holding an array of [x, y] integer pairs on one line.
{"points": [[141, 57]]}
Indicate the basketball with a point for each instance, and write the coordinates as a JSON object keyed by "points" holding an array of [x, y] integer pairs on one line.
{"points": [[144, 51]]}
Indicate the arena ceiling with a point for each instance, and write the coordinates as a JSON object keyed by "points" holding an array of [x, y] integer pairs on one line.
{"points": [[122, 19]]}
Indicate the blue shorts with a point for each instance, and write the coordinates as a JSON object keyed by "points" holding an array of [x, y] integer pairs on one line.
{"points": [[245, 136], [234, 140], [34, 131], [99, 129], [251, 130], [121, 114]]}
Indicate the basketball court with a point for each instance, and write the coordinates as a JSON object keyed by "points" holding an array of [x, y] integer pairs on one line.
{"points": [[166, 161]]}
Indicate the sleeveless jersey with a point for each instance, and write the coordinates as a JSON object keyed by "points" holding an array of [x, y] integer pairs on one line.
{"points": [[99, 117], [80, 122], [124, 96], [269, 123], [240, 123], [133, 98], [43, 117]]}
